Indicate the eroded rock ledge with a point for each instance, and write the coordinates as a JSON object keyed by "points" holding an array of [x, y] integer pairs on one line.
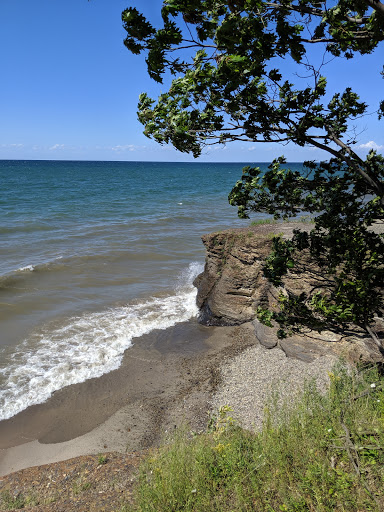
{"points": [[233, 285]]}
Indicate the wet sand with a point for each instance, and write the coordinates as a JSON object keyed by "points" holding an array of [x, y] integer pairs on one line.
{"points": [[166, 379]]}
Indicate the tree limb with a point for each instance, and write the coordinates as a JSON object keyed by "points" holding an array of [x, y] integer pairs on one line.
{"points": [[377, 5]]}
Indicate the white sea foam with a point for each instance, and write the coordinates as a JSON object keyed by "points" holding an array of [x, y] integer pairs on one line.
{"points": [[29, 268], [88, 346]]}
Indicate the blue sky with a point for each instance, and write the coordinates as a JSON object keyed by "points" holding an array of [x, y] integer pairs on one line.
{"points": [[69, 88]]}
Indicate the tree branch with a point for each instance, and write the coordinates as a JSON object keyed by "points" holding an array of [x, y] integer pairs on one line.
{"points": [[316, 12], [377, 5], [352, 161]]}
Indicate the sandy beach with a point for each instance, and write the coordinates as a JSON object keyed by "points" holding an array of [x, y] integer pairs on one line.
{"points": [[166, 379]]}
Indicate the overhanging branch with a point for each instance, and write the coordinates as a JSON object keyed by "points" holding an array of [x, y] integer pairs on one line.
{"points": [[352, 160], [377, 5]]}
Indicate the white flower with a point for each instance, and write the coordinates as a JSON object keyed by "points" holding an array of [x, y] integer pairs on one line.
{"points": [[329, 430], [373, 385]]}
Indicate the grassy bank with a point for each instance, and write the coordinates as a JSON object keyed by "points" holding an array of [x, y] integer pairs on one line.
{"points": [[326, 454]]}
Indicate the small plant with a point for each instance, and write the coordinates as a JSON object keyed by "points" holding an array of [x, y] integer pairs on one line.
{"points": [[221, 421], [85, 486], [101, 460], [80, 485], [12, 502]]}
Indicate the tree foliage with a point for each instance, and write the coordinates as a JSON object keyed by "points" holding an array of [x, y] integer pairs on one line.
{"points": [[230, 61]]}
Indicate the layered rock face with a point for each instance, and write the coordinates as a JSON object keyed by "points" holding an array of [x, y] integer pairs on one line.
{"points": [[233, 285]]}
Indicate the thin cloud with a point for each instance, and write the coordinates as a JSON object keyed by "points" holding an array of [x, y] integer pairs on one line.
{"points": [[219, 147], [56, 146], [127, 147], [371, 145], [12, 146], [258, 147]]}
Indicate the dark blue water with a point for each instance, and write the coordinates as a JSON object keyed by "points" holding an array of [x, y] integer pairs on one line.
{"points": [[93, 254]]}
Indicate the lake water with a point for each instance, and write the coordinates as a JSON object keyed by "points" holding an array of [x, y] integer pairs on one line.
{"points": [[94, 254]]}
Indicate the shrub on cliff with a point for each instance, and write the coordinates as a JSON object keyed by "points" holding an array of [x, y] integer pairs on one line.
{"points": [[234, 64]]}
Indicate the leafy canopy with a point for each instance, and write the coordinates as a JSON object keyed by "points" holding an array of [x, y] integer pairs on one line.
{"points": [[229, 60]]}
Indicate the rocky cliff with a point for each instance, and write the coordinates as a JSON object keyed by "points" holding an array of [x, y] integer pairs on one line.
{"points": [[232, 286], [232, 283]]}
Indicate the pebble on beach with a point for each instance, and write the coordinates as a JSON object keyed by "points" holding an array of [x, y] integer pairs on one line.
{"points": [[250, 380]]}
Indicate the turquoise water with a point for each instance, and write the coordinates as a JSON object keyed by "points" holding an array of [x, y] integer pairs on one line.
{"points": [[92, 255]]}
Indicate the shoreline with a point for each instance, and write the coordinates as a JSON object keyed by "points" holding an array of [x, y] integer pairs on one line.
{"points": [[166, 379]]}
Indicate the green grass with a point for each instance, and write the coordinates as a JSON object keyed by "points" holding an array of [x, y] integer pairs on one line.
{"points": [[16, 501], [306, 219], [101, 460], [11, 501], [261, 222], [324, 454]]}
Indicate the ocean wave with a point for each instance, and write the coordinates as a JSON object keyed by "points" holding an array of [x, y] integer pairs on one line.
{"points": [[87, 346], [64, 263], [16, 276], [28, 268]]}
